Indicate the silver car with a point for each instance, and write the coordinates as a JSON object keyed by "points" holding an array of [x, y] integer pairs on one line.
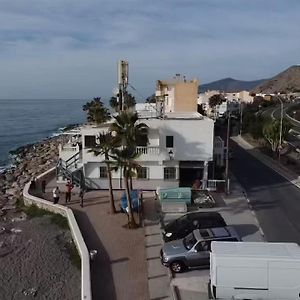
{"points": [[193, 250]]}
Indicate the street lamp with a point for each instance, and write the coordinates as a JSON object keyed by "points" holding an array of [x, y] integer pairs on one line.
{"points": [[241, 116], [171, 154], [227, 156], [280, 131]]}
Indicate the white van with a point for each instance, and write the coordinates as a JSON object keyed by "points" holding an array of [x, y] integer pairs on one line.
{"points": [[246, 270]]}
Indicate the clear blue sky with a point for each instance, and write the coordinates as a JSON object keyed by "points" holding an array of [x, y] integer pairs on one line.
{"points": [[70, 48]]}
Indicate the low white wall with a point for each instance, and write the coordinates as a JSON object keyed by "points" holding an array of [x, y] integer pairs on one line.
{"points": [[86, 293]]}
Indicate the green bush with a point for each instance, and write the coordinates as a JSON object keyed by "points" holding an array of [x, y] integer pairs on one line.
{"points": [[34, 211]]}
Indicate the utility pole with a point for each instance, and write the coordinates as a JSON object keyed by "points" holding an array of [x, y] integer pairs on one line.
{"points": [[227, 157], [241, 117], [280, 131]]}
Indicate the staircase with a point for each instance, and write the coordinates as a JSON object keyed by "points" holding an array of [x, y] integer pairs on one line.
{"points": [[72, 169]]}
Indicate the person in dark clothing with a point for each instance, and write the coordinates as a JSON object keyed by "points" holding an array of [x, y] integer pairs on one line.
{"points": [[69, 187], [81, 195]]}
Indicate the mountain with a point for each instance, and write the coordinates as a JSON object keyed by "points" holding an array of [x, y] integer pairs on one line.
{"points": [[284, 82], [230, 85]]}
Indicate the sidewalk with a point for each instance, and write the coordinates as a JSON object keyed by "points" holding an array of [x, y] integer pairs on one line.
{"points": [[119, 271]]}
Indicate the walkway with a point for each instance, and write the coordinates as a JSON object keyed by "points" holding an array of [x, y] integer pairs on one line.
{"points": [[119, 271]]}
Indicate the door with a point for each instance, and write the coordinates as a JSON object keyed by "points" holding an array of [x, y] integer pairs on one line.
{"points": [[199, 255]]}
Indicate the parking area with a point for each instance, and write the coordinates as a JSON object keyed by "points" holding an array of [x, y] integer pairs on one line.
{"points": [[192, 284]]}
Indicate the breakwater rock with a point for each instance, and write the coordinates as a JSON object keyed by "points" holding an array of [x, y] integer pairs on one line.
{"points": [[29, 161]]}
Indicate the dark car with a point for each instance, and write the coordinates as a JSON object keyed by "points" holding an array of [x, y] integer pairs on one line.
{"points": [[194, 250], [181, 227]]}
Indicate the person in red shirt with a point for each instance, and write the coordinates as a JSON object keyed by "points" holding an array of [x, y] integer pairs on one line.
{"points": [[69, 187]]}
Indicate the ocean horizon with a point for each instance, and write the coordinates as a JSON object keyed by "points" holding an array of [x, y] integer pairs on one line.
{"points": [[27, 121]]}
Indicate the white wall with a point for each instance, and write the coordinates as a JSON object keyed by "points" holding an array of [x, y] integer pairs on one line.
{"points": [[193, 138]]}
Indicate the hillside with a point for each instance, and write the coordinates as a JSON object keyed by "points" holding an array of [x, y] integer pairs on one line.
{"points": [[284, 82], [230, 85]]}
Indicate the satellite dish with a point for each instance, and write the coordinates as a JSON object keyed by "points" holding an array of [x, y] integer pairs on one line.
{"points": [[115, 91]]}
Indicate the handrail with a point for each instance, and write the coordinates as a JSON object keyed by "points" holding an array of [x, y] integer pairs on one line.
{"points": [[86, 292]]}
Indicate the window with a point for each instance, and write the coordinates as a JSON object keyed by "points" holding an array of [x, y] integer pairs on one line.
{"points": [[142, 173], [103, 172], [89, 141], [170, 173], [169, 141], [142, 140]]}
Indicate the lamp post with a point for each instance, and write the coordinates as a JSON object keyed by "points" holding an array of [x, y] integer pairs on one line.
{"points": [[241, 117], [280, 131], [227, 157]]}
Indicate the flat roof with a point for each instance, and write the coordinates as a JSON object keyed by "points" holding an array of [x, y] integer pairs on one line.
{"points": [[256, 249]]}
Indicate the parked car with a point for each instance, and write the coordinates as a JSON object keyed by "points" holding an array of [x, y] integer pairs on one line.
{"points": [[184, 225], [194, 250]]}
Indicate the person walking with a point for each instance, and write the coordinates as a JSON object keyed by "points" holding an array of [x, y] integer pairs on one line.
{"points": [[69, 187], [56, 193], [81, 195]]}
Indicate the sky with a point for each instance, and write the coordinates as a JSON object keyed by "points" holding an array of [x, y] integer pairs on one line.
{"points": [[70, 48]]}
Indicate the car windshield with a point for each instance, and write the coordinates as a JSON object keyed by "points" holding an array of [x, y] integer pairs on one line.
{"points": [[189, 241]]}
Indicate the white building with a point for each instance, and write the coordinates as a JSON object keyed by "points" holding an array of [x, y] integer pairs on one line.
{"points": [[179, 150]]}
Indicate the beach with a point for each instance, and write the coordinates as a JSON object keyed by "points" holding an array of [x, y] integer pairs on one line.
{"points": [[35, 262]]}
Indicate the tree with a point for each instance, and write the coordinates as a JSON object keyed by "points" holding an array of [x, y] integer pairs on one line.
{"points": [[271, 132], [113, 102], [215, 100], [128, 102], [105, 147], [128, 134], [126, 130], [124, 159], [96, 111]]}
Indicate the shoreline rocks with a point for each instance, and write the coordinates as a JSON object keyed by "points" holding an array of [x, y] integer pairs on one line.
{"points": [[30, 161]]}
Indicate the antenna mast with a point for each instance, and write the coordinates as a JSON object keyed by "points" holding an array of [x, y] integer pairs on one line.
{"points": [[122, 81]]}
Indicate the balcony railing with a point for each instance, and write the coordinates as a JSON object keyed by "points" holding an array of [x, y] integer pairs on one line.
{"points": [[148, 150]]}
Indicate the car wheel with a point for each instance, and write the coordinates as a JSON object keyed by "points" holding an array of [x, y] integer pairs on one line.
{"points": [[177, 266]]}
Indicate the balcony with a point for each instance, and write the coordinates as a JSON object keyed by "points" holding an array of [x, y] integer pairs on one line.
{"points": [[152, 153]]}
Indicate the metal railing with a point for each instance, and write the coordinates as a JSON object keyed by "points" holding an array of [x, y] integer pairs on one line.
{"points": [[148, 150]]}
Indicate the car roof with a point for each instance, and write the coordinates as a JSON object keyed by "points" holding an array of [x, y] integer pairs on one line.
{"points": [[202, 214], [215, 233]]}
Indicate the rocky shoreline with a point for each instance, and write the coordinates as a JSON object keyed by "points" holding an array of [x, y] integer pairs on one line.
{"points": [[28, 161], [34, 255]]}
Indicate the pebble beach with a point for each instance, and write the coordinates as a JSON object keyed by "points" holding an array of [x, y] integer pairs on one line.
{"points": [[34, 259]]}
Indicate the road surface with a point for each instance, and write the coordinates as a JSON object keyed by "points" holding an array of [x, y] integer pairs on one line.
{"points": [[275, 200]]}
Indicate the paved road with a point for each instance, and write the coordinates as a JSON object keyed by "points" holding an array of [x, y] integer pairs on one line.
{"points": [[275, 200]]}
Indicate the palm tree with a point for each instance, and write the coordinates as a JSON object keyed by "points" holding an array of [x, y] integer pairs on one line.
{"points": [[105, 147], [124, 159], [126, 130], [129, 133], [96, 111]]}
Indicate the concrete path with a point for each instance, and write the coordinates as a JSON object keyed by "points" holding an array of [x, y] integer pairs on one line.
{"points": [[119, 271]]}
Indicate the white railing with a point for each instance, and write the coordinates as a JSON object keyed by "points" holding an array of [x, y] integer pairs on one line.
{"points": [[148, 150], [86, 293], [69, 147]]}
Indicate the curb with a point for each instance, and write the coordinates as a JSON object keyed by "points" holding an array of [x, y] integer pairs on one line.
{"points": [[173, 288], [254, 215]]}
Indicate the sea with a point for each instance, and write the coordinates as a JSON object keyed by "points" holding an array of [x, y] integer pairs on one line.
{"points": [[28, 121]]}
